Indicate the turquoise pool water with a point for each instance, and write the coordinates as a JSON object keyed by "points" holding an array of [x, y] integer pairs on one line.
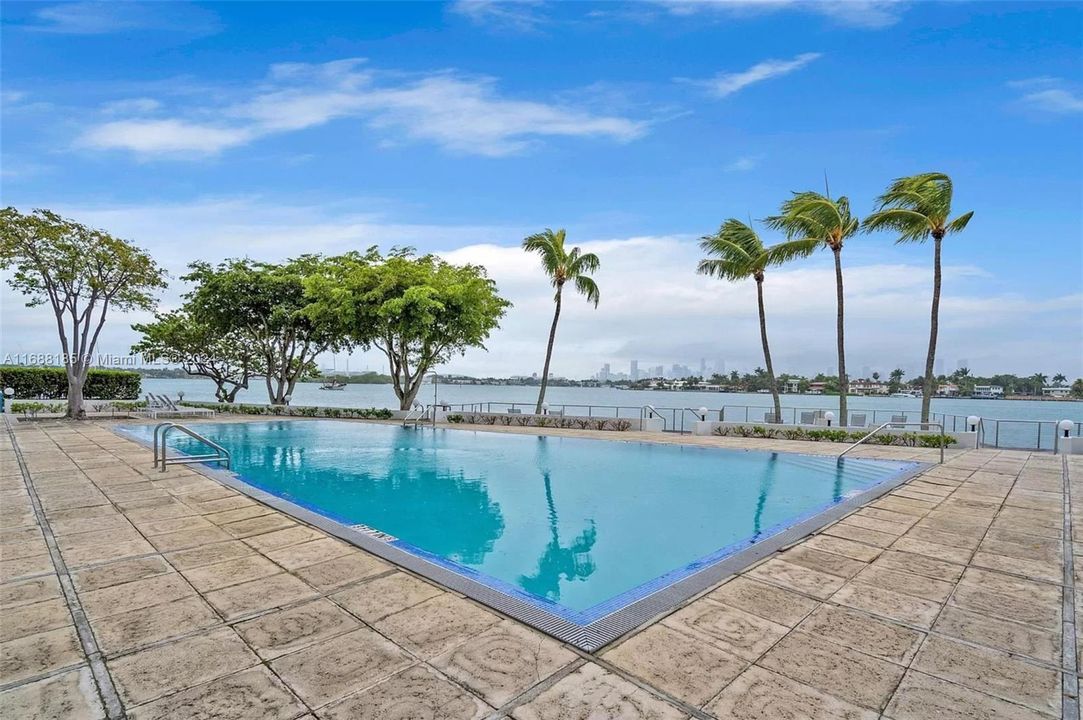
{"points": [[574, 523]]}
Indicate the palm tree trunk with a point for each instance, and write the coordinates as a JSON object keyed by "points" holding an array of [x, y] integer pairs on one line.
{"points": [[844, 383], [767, 352], [934, 326], [549, 353]]}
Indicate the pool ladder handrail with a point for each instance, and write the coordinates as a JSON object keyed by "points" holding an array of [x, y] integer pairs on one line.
{"points": [[408, 418], [161, 430], [649, 412], [880, 427]]}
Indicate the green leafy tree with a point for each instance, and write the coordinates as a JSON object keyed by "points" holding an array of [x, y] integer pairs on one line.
{"points": [[178, 337], [266, 306], [815, 221], [1037, 382], [82, 274], [562, 266], [417, 311], [919, 208], [736, 253], [895, 380], [1077, 388]]}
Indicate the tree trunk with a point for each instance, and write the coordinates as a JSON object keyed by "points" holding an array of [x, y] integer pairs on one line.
{"points": [[844, 383], [767, 351], [75, 396], [934, 327], [549, 352]]}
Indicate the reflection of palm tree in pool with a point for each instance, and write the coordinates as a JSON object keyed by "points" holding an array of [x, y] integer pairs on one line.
{"points": [[766, 481], [558, 562]]}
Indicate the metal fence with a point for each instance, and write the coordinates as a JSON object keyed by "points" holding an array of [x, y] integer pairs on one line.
{"points": [[997, 433]]}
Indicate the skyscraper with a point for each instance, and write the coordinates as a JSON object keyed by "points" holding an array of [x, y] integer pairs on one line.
{"points": [[634, 371]]}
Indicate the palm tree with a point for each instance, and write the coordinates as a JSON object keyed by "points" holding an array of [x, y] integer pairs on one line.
{"points": [[1039, 381], [814, 220], [737, 254], [918, 208], [1060, 379], [562, 266]]}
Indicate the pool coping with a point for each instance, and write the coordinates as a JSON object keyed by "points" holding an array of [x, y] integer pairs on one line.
{"points": [[590, 636]]}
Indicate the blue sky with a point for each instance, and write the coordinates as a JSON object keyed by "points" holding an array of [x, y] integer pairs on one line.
{"points": [[270, 129]]}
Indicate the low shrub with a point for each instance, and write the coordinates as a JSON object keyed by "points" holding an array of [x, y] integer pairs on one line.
{"points": [[295, 410], [455, 418], [838, 435], [621, 425]]}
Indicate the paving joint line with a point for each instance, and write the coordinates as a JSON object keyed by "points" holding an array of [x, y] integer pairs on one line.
{"points": [[102, 679], [1069, 659]]}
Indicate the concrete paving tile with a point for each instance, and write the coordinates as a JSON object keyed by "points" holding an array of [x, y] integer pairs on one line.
{"points": [[37, 654], [246, 695], [504, 661], [922, 696], [258, 525], [735, 631], [244, 512], [856, 630], [121, 571], [919, 565], [297, 556], [887, 603], [70, 695], [767, 601], [285, 537], [383, 596], [206, 578], [329, 671], [959, 555], [34, 618], [437, 625], [237, 601], [826, 562], [833, 669], [134, 595], [1038, 570], [1011, 637], [184, 539], [857, 533], [291, 629], [330, 574], [25, 567], [811, 582], [592, 693], [841, 546], [24, 592], [147, 625], [760, 694], [906, 583], [165, 669], [82, 555], [209, 554], [416, 692], [992, 672]]}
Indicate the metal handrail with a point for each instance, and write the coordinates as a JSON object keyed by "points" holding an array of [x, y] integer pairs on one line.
{"points": [[415, 420], [899, 424], [649, 411], [161, 430]]}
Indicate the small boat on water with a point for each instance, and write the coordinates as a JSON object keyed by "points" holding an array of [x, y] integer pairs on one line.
{"points": [[333, 385], [906, 395]]}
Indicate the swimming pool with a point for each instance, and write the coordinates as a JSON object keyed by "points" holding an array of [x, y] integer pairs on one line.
{"points": [[577, 536]]}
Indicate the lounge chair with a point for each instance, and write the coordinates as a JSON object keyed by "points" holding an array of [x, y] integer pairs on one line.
{"points": [[898, 419], [858, 420], [515, 411], [772, 419], [808, 418]]}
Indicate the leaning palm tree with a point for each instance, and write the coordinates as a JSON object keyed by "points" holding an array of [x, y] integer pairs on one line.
{"points": [[918, 208], [737, 253], [812, 220], [562, 266]]}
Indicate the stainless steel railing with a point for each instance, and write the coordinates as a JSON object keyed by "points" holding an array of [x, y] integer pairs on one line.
{"points": [[878, 428], [161, 459]]}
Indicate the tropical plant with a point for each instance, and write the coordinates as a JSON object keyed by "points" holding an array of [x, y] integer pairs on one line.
{"points": [[417, 311], [1060, 379], [918, 208], [737, 253], [814, 220], [82, 274], [562, 266], [1038, 381]]}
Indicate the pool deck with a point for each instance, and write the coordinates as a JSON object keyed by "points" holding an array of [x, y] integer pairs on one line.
{"points": [[125, 592]]}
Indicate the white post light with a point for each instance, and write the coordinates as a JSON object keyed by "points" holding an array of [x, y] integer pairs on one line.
{"points": [[1066, 426], [545, 408], [287, 398], [972, 422], [829, 417], [703, 414]]}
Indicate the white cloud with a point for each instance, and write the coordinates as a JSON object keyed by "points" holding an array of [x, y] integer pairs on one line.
{"points": [[1048, 96], [654, 308], [725, 84], [100, 18], [520, 15], [462, 114], [131, 106], [743, 163], [872, 14]]}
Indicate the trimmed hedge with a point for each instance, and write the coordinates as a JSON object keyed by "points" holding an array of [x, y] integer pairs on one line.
{"points": [[295, 410], [30, 409], [554, 421], [839, 435], [52, 383]]}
